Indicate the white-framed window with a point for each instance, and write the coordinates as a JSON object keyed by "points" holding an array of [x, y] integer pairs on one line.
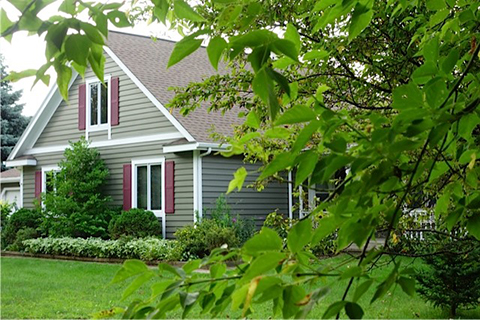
{"points": [[48, 173], [148, 185], [98, 104]]}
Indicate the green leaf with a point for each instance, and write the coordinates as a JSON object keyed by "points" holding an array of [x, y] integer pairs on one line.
{"points": [[215, 48], [299, 235], [64, 74], [351, 272], [262, 264], [265, 240], [430, 50], [280, 79], [137, 283], [407, 97], [307, 162], [286, 47], [281, 162], [424, 73], [217, 270], [333, 309], [361, 289], [292, 35], [184, 11], [68, 6], [253, 39], [5, 23], [119, 19], [305, 135], [434, 5], [238, 180], [159, 287], [92, 33], [238, 296], [161, 10], [297, 114], [263, 86], [316, 54], [253, 120], [171, 269], [353, 310], [77, 47], [473, 225], [338, 144], [407, 285], [326, 226], [182, 49], [362, 15], [129, 269], [191, 265], [229, 14], [16, 76]]}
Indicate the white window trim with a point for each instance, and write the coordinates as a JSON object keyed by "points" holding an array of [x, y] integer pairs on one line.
{"points": [[151, 161], [46, 169], [98, 127]]}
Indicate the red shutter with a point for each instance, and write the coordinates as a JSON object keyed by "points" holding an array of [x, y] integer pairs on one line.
{"points": [[169, 187], [127, 187], [82, 97], [114, 105], [38, 184]]}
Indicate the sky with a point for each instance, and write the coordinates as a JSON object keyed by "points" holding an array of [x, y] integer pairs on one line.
{"points": [[28, 52]]}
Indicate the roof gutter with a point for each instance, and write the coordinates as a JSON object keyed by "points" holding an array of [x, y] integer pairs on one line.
{"points": [[196, 146]]}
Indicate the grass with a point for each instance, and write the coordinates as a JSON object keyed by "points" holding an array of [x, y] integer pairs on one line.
{"points": [[36, 288]]}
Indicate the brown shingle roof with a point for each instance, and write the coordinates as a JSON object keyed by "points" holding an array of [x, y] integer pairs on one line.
{"points": [[147, 60], [12, 173]]}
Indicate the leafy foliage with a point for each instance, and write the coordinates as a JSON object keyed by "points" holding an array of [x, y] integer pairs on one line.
{"points": [[20, 220], [452, 278], [5, 210], [76, 206], [146, 249], [13, 122], [135, 223], [391, 90], [199, 240], [222, 215]]}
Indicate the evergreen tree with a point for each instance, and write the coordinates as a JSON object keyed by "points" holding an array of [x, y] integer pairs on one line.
{"points": [[13, 122]]}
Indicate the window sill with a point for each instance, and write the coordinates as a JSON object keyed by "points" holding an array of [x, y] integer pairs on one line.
{"points": [[102, 127]]}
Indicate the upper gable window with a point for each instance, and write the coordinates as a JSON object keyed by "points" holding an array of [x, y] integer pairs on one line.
{"points": [[98, 104]]}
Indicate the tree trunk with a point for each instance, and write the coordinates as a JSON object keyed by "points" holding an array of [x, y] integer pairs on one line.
{"points": [[453, 310]]}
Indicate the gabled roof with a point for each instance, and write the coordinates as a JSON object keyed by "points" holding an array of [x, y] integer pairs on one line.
{"points": [[147, 60]]}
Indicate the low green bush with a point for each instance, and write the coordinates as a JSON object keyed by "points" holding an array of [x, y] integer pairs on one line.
{"points": [[21, 219], [22, 235], [5, 211], [136, 223], [147, 249], [199, 240]]}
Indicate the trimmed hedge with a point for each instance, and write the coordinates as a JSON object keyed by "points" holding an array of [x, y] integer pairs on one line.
{"points": [[135, 223], [146, 249]]}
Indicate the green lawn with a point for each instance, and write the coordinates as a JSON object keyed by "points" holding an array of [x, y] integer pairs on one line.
{"points": [[36, 288]]}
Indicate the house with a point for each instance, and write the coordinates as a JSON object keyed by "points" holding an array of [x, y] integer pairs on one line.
{"points": [[10, 186], [157, 159]]}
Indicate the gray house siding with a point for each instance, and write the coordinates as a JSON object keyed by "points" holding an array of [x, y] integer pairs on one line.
{"points": [[115, 158], [217, 172], [138, 115]]}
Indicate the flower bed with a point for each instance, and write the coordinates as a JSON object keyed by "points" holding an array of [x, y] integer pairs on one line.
{"points": [[147, 249]]}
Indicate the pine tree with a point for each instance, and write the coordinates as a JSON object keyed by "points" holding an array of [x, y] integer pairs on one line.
{"points": [[13, 122]]}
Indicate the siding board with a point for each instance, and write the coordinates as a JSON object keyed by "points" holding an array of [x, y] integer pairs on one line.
{"points": [[217, 172]]}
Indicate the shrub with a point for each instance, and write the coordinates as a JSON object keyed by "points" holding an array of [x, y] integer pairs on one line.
{"points": [[136, 223], [5, 210], [199, 240], [147, 249], [222, 215], [22, 235], [451, 279], [21, 219], [78, 206]]}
